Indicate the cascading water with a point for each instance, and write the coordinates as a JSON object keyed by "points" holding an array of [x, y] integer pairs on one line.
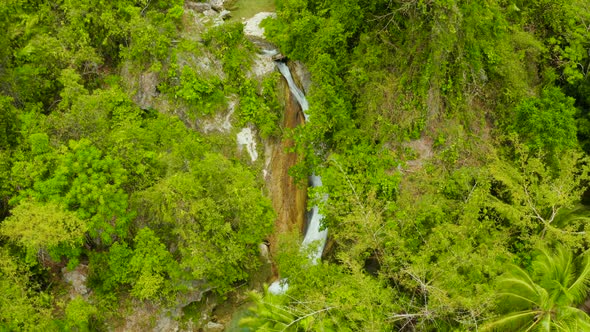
{"points": [[286, 72], [313, 235]]}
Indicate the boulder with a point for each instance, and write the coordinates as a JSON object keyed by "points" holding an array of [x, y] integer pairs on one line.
{"points": [[148, 83], [264, 254], [217, 4], [252, 26], [214, 327], [198, 7], [225, 14], [77, 278]]}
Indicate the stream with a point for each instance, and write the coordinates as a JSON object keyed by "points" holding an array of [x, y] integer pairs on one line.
{"points": [[313, 234]]}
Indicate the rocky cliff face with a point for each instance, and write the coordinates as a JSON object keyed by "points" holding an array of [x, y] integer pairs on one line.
{"points": [[289, 198]]}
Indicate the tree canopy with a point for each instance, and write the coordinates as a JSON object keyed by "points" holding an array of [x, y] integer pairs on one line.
{"points": [[451, 138]]}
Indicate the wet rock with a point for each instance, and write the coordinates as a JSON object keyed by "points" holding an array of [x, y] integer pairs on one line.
{"points": [[301, 75], [279, 57], [288, 197]]}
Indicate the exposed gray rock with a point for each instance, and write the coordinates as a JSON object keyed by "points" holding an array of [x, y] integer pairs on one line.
{"points": [[147, 91], [264, 252], [210, 13], [77, 278], [225, 14], [303, 75], [166, 324], [247, 138], [213, 16], [214, 327], [252, 25], [263, 65], [198, 7], [217, 4], [220, 122]]}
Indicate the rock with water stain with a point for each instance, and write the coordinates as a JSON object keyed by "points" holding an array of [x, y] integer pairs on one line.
{"points": [[221, 121], [246, 138], [301, 75]]}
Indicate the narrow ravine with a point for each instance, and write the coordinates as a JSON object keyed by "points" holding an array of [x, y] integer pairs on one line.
{"points": [[313, 235]]}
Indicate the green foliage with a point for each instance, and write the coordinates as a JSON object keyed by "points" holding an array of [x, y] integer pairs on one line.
{"points": [[38, 226], [414, 246], [151, 36], [148, 268], [198, 91], [529, 194], [79, 313], [228, 42], [8, 123], [217, 215], [89, 184], [260, 109], [22, 307], [545, 299], [546, 124], [268, 314], [338, 301]]}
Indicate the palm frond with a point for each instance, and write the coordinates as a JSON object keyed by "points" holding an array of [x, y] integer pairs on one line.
{"points": [[578, 290], [520, 281], [511, 321]]}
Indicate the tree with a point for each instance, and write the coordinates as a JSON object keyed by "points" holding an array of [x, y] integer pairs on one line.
{"points": [[529, 193], [8, 123], [38, 226], [214, 214], [79, 314], [545, 299], [90, 184], [547, 123], [21, 307]]}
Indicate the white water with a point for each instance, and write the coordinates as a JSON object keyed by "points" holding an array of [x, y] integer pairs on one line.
{"points": [[313, 235], [294, 89]]}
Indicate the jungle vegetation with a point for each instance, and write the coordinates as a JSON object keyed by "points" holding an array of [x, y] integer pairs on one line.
{"points": [[452, 138]]}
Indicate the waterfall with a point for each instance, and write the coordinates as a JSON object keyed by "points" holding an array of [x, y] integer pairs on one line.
{"points": [[284, 69], [313, 234]]}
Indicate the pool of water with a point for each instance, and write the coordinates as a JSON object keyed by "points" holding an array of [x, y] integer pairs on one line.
{"points": [[244, 9]]}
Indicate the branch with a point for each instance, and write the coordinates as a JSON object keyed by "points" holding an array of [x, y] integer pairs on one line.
{"points": [[144, 8], [305, 316], [357, 198]]}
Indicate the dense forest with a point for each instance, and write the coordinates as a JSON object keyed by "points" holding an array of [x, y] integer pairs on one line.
{"points": [[452, 138]]}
